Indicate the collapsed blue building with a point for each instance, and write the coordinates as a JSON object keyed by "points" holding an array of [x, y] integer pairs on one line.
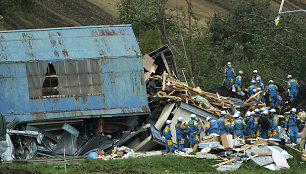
{"points": [[51, 77]]}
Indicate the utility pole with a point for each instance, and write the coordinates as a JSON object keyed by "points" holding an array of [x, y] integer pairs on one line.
{"points": [[284, 12]]}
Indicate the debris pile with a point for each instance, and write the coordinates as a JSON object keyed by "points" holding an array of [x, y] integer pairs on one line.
{"points": [[121, 153], [234, 152]]}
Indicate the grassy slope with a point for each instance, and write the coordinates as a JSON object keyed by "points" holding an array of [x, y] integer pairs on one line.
{"points": [[157, 164]]}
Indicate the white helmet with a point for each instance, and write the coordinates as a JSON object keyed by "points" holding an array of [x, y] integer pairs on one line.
{"points": [[255, 71], [293, 110], [236, 114], [257, 79], [223, 113], [271, 81], [180, 119], [289, 76], [265, 112], [257, 110], [240, 72], [255, 90], [253, 113], [253, 81], [272, 110], [248, 114], [168, 122], [193, 116], [229, 63], [208, 118]]}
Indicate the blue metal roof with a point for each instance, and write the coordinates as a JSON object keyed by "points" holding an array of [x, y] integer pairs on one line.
{"points": [[99, 72]]}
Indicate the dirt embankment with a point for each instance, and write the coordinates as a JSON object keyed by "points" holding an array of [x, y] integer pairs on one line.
{"points": [[58, 13]]}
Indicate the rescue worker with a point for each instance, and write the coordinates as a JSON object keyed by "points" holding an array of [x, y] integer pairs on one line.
{"points": [[274, 125], [279, 102], [272, 92], [194, 130], [264, 124], [238, 84], [223, 124], [256, 97], [255, 76], [249, 123], [255, 123], [211, 126], [168, 137], [270, 115], [292, 88], [186, 134], [238, 125], [229, 73], [180, 128], [260, 87], [251, 87], [292, 122]]}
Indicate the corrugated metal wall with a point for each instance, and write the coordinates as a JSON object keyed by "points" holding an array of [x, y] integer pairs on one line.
{"points": [[25, 56]]}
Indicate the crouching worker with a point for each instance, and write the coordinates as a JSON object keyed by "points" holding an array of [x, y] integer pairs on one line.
{"points": [[180, 128], [194, 130], [168, 137]]}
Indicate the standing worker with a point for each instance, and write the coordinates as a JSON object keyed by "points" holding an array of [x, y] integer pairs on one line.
{"points": [[272, 91], [249, 124], [180, 128], [194, 130], [251, 87], [260, 87], [264, 124], [274, 125], [255, 123], [223, 124], [238, 125], [292, 121], [186, 134], [238, 83], [168, 137], [292, 88], [229, 73], [279, 102], [255, 76], [211, 126]]}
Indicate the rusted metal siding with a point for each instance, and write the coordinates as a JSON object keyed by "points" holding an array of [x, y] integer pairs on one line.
{"points": [[116, 49]]}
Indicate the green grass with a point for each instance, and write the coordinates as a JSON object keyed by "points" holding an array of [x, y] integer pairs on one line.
{"points": [[154, 164]]}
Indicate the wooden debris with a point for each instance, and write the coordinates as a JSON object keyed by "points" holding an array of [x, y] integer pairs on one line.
{"points": [[225, 162]]}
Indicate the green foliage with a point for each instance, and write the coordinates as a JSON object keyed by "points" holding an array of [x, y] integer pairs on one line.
{"points": [[151, 41], [143, 15]]}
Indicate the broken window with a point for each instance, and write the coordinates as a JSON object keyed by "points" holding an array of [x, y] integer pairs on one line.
{"points": [[64, 78]]}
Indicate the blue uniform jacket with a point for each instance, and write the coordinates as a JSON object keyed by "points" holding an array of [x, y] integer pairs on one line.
{"points": [[229, 72], [223, 124], [167, 132], [194, 126], [251, 87], [212, 127], [272, 90], [293, 85], [292, 120], [180, 128]]}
